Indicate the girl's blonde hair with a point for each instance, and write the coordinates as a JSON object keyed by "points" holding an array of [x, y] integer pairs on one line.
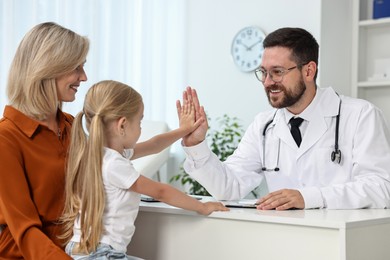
{"points": [[105, 102], [47, 51]]}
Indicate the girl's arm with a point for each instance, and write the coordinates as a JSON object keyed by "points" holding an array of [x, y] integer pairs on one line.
{"points": [[170, 195], [159, 142]]}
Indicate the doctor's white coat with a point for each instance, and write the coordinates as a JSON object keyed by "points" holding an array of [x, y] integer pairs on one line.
{"points": [[361, 180]]}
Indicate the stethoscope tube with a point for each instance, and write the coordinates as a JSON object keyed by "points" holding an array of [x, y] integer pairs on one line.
{"points": [[264, 168], [336, 154]]}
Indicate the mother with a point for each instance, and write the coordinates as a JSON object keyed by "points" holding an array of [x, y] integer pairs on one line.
{"points": [[34, 135]]}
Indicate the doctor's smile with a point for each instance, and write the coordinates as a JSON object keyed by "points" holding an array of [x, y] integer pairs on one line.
{"points": [[274, 91]]}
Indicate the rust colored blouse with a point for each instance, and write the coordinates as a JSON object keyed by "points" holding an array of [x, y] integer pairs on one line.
{"points": [[32, 179]]}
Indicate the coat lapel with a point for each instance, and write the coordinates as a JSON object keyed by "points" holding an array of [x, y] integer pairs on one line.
{"points": [[325, 107], [282, 130], [316, 128]]}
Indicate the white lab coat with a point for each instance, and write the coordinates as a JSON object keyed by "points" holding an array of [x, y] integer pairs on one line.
{"points": [[361, 180]]}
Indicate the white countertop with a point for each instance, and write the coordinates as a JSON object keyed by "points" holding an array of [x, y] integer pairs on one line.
{"points": [[334, 219]]}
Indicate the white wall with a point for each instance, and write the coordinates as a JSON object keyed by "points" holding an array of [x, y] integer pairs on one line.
{"points": [[211, 27], [335, 45]]}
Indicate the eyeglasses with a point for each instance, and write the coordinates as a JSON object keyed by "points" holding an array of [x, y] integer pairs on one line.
{"points": [[276, 74]]}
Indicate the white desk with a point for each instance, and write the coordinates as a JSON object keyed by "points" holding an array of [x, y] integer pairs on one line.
{"points": [[167, 233]]}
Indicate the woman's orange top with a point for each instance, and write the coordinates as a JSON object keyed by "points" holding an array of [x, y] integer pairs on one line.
{"points": [[32, 181]]}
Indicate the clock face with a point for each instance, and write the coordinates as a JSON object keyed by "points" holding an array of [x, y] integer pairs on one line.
{"points": [[247, 48]]}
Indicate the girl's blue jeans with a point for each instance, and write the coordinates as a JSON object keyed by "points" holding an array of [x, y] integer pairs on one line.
{"points": [[103, 252]]}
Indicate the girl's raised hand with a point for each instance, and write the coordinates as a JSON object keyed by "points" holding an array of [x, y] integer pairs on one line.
{"points": [[186, 114]]}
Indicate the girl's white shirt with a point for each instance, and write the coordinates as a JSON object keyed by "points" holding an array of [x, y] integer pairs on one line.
{"points": [[122, 204]]}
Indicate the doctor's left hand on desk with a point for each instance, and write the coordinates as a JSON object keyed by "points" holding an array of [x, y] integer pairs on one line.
{"points": [[281, 200]]}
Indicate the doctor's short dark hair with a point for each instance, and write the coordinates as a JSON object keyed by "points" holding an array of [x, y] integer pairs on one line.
{"points": [[303, 45]]}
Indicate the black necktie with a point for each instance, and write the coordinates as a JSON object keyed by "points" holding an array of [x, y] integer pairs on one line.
{"points": [[295, 123]]}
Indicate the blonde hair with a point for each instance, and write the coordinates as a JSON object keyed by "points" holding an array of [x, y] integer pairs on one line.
{"points": [[47, 51], [105, 102]]}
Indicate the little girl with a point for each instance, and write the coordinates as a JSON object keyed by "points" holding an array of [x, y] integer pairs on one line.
{"points": [[102, 187]]}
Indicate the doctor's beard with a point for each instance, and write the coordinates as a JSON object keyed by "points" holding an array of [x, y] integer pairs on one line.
{"points": [[289, 98]]}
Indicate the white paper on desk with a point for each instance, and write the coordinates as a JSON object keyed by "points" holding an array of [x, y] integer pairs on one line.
{"points": [[245, 203]]}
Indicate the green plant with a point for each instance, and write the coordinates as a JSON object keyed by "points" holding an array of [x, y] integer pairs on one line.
{"points": [[223, 141]]}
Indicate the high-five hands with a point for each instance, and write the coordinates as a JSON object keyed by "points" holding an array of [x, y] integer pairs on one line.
{"points": [[199, 134], [282, 200]]}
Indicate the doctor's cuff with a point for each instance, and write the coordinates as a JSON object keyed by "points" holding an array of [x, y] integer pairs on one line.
{"points": [[313, 197], [197, 152]]}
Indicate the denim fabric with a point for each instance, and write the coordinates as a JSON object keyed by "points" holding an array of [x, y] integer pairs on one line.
{"points": [[103, 252]]}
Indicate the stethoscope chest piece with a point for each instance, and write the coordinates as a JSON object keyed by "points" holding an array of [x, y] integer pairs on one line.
{"points": [[336, 156]]}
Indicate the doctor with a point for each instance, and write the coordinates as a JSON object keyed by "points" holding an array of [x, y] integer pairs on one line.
{"points": [[339, 157]]}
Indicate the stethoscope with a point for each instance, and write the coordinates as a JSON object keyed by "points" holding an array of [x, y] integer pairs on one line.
{"points": [[335, 156]]}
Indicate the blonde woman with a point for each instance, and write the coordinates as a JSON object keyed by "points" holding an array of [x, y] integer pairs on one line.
{"points": [[102, 187], [34, 135]]}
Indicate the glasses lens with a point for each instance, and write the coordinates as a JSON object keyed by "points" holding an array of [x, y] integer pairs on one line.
{"points": [[261, 75], [277, 74]]}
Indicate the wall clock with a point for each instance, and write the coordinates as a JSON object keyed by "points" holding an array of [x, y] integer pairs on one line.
{"points": [[247, 48]]}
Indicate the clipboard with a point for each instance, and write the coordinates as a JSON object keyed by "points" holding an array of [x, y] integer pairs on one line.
{"points": [[240, 203], [145, 198]]}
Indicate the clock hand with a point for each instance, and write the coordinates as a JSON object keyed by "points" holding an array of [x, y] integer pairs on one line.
{"points": [[247, 48], [250, 47]]}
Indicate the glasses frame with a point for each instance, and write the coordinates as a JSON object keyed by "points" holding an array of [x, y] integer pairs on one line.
{"points": [[260, 73]]}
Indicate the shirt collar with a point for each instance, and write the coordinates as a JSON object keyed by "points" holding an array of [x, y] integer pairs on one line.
{"points": [[28, 125], [309, 110]]}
